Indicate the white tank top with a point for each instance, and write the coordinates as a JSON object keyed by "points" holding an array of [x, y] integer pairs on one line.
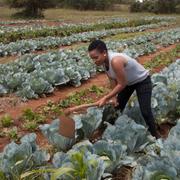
{"points": [[134, 71]]}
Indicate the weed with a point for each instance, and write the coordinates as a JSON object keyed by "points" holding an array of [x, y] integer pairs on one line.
{"points": [[31, 126], [13, 134], [6, 120], [30, 116], [98, 90]]}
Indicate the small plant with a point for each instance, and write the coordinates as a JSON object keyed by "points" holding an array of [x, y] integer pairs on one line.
{"points": [[98, 90], [50, 103], [13, 134], [64, 103], [2, 134], [74, 98], [79, 164], [56, 109], [31, 126], [29, 115], [81, 97], [6, 120]]}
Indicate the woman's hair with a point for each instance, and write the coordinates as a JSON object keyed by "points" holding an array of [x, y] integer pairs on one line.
{"points": [[98, 45]]}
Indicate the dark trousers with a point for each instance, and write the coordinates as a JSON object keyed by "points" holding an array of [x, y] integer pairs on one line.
{"points": [[144, 92]]}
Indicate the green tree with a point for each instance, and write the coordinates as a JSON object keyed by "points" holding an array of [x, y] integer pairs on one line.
{"points": [[88, 4], [156, 6], [136, 7], [31, 8], [165, 6]]}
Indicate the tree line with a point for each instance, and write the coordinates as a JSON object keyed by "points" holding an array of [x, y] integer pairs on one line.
{"points": [[34, 8], [156, 6]]}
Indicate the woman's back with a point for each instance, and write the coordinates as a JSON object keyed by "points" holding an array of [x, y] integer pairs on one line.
{"points": [[134, 71]]}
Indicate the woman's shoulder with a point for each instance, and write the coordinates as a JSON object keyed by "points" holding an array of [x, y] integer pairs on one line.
{"points": [[113, 54]]}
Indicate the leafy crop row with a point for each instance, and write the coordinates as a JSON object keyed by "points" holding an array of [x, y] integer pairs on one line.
{"points": [[26, 46], [34, 75], [69, 29]]}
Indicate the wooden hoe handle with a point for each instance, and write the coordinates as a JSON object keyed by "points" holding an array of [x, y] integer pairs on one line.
{"points": [[80, 107]]}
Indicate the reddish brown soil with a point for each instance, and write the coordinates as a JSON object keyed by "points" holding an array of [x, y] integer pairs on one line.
{"points": [[15, 109], [3, 142], [60, 93]]}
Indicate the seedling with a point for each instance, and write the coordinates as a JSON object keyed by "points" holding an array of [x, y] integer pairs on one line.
{"points": [[13, 134], [98, 90], [31, 126], [64, 103], [30, 116], [6, 120], [2, 134]]}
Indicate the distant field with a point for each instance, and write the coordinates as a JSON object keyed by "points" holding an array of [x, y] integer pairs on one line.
{"points": [[6, 13], [69, 15]]}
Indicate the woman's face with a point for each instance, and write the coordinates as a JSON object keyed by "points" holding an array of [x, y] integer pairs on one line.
{"points": [[98, 57]]}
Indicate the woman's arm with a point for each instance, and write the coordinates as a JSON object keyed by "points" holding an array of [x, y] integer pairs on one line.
{"points": [[112, 82]]}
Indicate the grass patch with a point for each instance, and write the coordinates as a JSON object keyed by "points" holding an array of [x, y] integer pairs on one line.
{"points": [[163, 59], [6, 13], [6, 120], [32, 119], [88, 95], [13, 134], [71, 15]]}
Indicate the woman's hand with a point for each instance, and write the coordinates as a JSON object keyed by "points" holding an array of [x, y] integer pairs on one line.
{"points": [[105, 100], [102, 101], [114, 101]]}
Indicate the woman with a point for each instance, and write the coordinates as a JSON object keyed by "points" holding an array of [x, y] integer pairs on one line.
{"points": [[127, 75]]}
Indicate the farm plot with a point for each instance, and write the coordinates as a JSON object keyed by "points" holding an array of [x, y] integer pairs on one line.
{"points": [[30, 45], [105, 140], [35, 75], [123, 142], [12, 34]]}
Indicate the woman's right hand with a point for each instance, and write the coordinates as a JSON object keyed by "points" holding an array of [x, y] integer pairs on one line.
{"points": [[114, 101]]}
